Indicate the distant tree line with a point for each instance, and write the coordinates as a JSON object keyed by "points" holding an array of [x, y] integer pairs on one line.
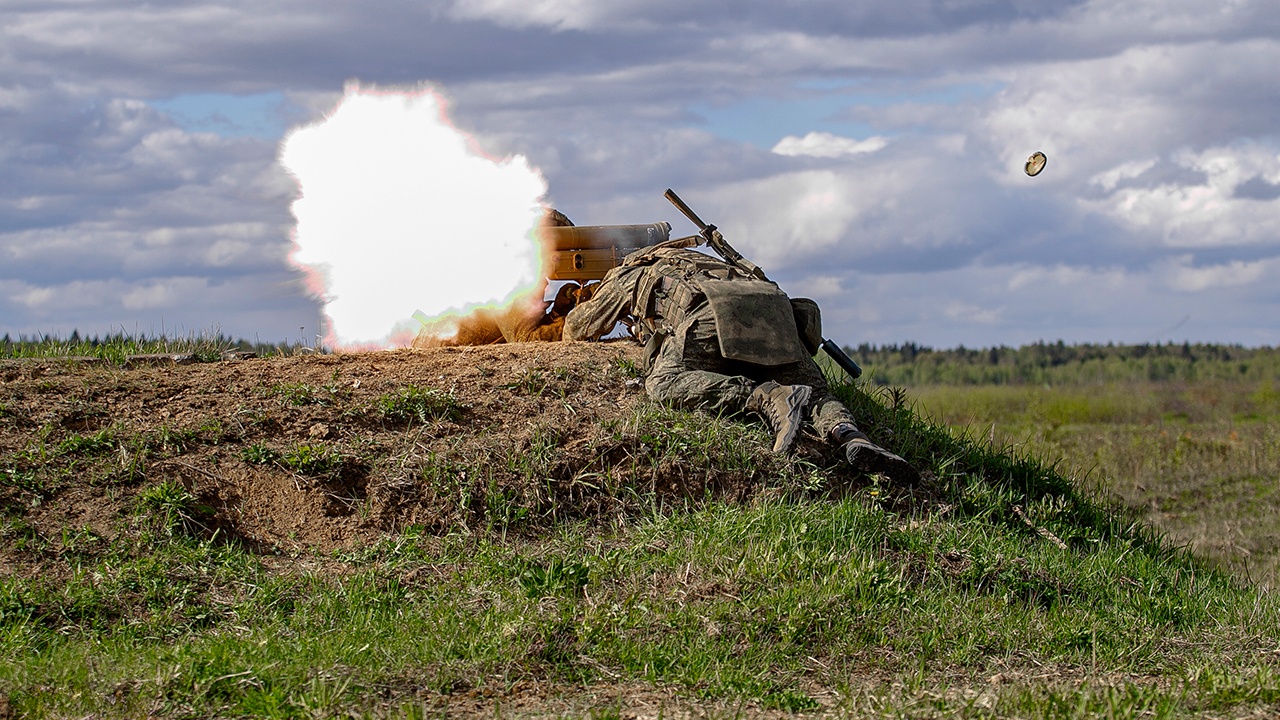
{"points": [[1058, 363]]}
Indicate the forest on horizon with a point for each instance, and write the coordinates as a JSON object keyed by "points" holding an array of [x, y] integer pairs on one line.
{"points": [[1055, 363]]}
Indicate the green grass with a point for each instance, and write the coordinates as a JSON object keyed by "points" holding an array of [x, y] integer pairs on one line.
{"points": [[315, 459], [171, 509], [96, 443], [777, 602], [208, 346], [301, 394], [259, 454], [1197, 461], [413, 404], [999, 588]]}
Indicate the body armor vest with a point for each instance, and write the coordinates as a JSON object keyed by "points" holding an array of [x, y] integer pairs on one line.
{"points": [[754, 319]]}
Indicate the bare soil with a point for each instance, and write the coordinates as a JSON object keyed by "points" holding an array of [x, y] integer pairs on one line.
{"points": [[543, 431]]}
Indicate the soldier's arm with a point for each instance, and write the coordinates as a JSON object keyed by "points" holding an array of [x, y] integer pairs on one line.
{"points": [[611, 303]]}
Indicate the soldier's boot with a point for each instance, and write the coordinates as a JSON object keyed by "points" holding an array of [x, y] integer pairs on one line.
{"points": [[782, 407], [866, 457]]}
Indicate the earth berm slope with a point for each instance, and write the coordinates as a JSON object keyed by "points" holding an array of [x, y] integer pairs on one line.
{"points": [[333, 451]]}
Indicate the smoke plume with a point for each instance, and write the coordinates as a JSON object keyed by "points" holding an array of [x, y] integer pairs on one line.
{"points": [[400, 212]]}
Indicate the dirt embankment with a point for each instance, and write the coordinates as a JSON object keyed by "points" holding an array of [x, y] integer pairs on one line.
{"points": [[338, 450]]}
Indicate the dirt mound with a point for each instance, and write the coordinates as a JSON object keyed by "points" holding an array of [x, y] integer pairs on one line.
{"points": [[338, 450]]}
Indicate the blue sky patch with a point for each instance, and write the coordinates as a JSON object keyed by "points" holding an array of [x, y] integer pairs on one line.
{"points": [[265, 115], [763, 121]]}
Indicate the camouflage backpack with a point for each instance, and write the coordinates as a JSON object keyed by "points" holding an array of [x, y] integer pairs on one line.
{"points": [[755, 321]]}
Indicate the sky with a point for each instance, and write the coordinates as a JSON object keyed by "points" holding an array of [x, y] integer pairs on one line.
{"points": [[866, 154]]}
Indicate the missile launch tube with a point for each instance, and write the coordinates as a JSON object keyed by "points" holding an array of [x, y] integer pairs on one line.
{"points": [[600, 237]]}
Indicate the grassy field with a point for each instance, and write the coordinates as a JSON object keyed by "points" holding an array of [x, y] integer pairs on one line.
{"points": [[1003, 586], [114, 348], [1200, 461], [837, 606]]}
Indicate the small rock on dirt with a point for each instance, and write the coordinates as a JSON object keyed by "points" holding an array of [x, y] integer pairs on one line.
{"points": [[160, 359]]}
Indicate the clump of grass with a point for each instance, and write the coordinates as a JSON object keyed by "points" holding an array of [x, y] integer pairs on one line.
{"points": [[298, 393], [100, 442], [82, 542], [177, 440], [558, 382], [172, 509], [301, 393], [23, 536], [627, 367], [553, 577], [313, 459], [259, 454], [25, 479], [703, 441], [790, 700], [417, 404], [531, 380], [310, 459]]}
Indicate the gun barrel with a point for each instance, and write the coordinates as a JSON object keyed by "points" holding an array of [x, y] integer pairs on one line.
{"points": [[688, 212], [842, 359]]}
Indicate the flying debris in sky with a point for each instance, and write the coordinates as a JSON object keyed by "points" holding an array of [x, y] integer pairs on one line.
{"points": [[1035, 164]]}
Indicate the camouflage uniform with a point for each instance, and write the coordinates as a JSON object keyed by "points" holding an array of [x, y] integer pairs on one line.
{"points": [[663, 294]]}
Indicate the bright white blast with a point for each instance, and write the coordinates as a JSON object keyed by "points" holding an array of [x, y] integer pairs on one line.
{"points": [[400, 212]]}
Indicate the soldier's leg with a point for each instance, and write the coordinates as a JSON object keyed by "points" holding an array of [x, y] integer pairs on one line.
{"points": [[683, 373], [826, 413], [833, 422], [688, 371]]}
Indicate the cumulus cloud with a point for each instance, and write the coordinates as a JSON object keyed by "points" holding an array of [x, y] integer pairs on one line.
{"points": [[1183, 276], [1157, 117], [826, 145], [1208, 211], [844, 17], [1146, 101], [121, 219], [560, 14]]}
